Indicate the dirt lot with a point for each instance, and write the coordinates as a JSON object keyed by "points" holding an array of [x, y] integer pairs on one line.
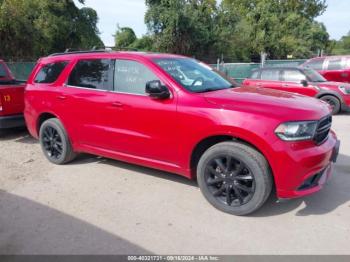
{"points": [[101, 206]]}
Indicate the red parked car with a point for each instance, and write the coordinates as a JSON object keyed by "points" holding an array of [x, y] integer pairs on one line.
{"points": [[333, 68], [303, 81], [11, 99], [176, 114]]}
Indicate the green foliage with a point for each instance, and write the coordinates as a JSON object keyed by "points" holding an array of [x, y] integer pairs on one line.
{"points": [[342, 47], [33, 28], [124, 37], [183, 26], [237, 29], [282, 28], [144, 43]]}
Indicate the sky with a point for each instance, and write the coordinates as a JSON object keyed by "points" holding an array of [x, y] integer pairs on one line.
{"points": [[131, 13]]}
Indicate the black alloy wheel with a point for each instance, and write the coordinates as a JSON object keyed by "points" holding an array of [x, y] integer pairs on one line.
{"points": [[234, 177], [52, 142], [229, 180], [55, 143]]}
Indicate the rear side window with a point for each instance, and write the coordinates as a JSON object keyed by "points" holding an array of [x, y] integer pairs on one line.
{"points": [[316, 64], [94, 74], [49, 73], [293, 76], [3, 72], [335, 64], [273, 75], [131, 77]]}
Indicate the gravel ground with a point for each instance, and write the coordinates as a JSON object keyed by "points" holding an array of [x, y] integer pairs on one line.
{"points": [[100, 206]]}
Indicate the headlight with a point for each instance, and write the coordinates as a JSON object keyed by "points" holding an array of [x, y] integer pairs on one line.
{"points": [[345, 89], [296, 131]]}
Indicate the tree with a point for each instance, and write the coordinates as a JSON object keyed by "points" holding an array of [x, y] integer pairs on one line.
{"points": [[33, 28], [282, 28], [145, 43], [124, 37], [182, 26], [342, 47]]}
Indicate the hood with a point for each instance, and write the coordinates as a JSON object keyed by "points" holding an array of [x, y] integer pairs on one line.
{"points": [[282, 105]]}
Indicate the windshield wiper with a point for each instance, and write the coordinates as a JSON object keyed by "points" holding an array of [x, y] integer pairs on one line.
{"points": [[215, 89], [207, 90]]}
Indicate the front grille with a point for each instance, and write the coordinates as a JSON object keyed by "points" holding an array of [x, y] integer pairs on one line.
{"points": [[323, 128]]}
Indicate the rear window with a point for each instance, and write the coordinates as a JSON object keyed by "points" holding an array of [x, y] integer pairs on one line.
{"points": [[335, 64], [273, 75], [316, 64], [49, 73], [3, 72]]}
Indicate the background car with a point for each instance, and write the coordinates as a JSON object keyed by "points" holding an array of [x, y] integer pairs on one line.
{"points": [[303, 81], [333, 68], [11, 99]]}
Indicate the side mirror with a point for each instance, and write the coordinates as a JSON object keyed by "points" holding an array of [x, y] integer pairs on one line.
{"points": [[155, 89], [304, 83]]}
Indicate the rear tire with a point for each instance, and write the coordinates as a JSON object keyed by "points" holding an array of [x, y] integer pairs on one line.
{"points": [[333, 102], [234, 177], [55, 143]]}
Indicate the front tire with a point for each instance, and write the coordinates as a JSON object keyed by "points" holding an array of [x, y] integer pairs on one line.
{"points": [[234, 178], [333, 102], [55, 143]]}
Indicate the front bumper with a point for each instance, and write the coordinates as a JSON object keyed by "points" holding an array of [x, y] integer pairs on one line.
{"points": [[11, 121], [346, 103], [305, 167]]}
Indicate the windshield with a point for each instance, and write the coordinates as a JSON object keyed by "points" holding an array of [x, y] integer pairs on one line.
{"points": [[193, 75], [314, 76]]}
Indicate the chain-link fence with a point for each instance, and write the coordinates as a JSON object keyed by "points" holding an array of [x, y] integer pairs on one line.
{"points": [[238, 71], [21, 70]]}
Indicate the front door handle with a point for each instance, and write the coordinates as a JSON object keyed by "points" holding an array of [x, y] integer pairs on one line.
{"points": [[60, 97], [117, 104]]}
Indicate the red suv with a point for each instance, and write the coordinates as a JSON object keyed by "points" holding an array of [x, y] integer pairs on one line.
{"points": [[176, 114], [303, 81], [333, 68]]}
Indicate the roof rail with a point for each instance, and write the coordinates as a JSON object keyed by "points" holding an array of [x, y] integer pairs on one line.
{"points": [[95, 49], [69, 52]]}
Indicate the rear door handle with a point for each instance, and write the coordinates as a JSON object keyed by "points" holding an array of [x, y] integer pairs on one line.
{"points": [[285, 85]]}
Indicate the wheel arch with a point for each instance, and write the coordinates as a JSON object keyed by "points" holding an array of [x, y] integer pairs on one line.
{"points": [[330, 93], [209, 141], [42, 118]]}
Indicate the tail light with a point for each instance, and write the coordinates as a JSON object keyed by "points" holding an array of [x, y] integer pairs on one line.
{"points": [[0, 102]]}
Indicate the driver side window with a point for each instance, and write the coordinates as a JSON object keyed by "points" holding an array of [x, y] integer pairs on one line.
{"points": [[131, 77], [293, 76]]}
